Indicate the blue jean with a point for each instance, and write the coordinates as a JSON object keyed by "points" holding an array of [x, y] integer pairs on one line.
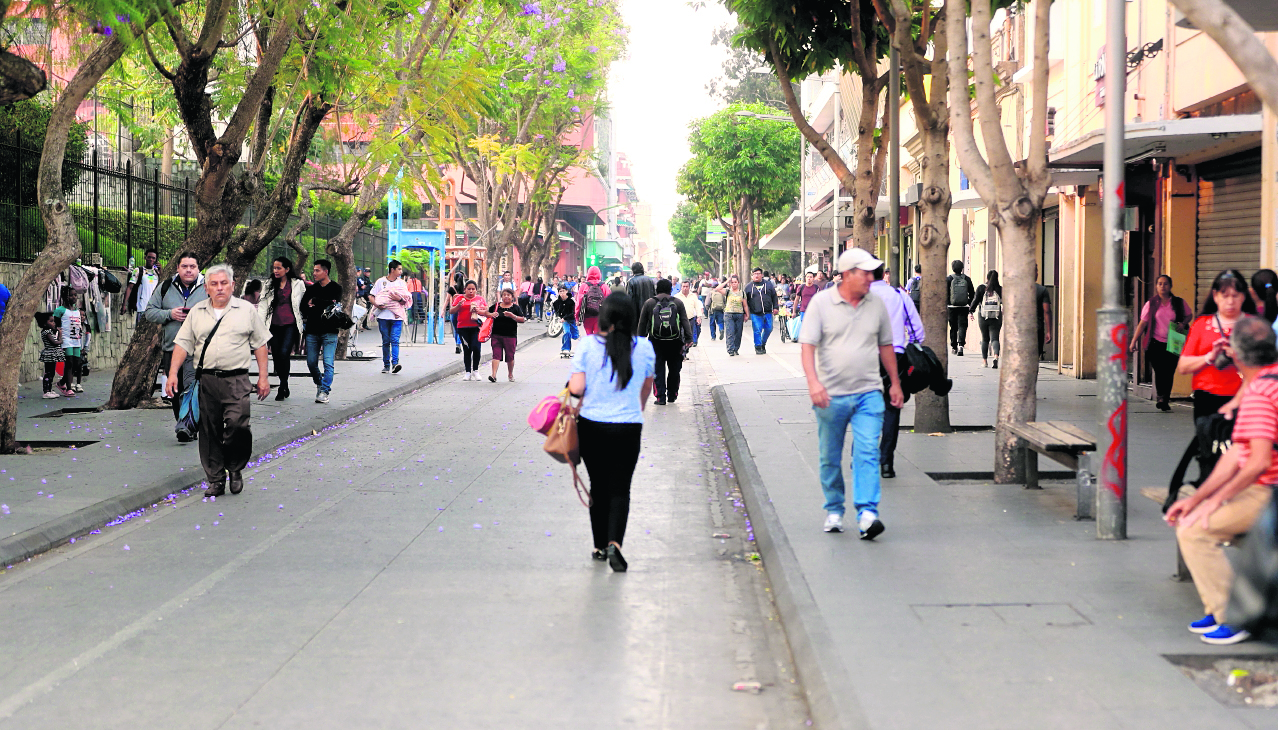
{"points": [[538, 305], [865, 412], [735, 322], [761, 325], [570, 334], [696, 329], [457, 338], [390, 329], [328, 343], [716, 318]]}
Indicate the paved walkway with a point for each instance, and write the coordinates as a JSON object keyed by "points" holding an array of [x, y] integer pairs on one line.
{"points": [[425, 566], [128, 459], [981, 606]]}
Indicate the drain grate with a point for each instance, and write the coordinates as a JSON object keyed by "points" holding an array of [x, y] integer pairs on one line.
{"points": [[59, 444], [59, 413], [988, 476]]}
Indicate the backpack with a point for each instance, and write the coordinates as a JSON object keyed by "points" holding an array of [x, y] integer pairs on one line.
{"points": [[960, 290], [991, 305], [594, 300], [916, 291], [665, 321]]}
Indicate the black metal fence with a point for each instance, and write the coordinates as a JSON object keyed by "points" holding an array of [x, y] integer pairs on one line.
{"points": [[120, 211]]}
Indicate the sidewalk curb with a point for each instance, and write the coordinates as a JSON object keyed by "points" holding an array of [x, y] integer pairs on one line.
{"points": [[832, 700], [45, 537]]}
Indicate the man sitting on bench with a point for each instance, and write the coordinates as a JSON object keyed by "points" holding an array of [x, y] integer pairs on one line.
{"points": [[1239, 488]]}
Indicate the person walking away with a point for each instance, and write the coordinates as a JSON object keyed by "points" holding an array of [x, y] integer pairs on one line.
{"points": [[281, 309], [989, 316], [1043, 315], [590, 297], [1264, 289], [691, 305], [846, 338], [1216, 379], [168, 306], [613, 374], [961, 293], [734, 308], [365, 293], [907, 327], [525, 294], [1163, 310], [391, 298], [566, 310], [142, 283], [224, 334], [538, 298], [665, 323], [467, 306], [641, 288], [71, 322], [51, 352], [506, 318], [915, 286], [321, 330], [761, 296], [1233, 496], [716, 300], [253, 291]]}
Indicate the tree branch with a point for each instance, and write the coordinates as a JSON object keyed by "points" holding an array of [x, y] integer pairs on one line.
{"points": [[146, 43], [969, 154], [828, 153], [1037, 172], [1237, 39], [1000, 160]]}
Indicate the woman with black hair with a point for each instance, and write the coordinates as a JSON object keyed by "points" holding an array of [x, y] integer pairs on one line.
{"points": [[281, 309], [468, 307], [1216, 379], [612, 373], [1163, 310], [987, 310], [1264, 287]]}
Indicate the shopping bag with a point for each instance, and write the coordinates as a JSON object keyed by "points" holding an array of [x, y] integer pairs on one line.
{"points": [[486, 330], [795, 322], [1175, 339]]}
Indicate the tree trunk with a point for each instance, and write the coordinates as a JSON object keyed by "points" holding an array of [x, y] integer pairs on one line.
{"points": [[1018, 363], [19, 78], [63, 246], [869, 170], [341, 248], [932, 412]]}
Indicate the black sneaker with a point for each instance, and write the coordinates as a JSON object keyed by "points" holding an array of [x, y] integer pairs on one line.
{"points": [[886, 471], [396, 368], [615, 561]]}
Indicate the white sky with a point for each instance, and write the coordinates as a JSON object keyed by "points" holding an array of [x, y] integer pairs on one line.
{"points": [[658, 89]]}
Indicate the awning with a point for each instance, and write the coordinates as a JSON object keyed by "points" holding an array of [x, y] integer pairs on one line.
{"points": [[1173, 138], [1259, 14]]}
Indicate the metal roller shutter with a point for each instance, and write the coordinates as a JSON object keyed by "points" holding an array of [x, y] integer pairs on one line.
{"points": [[1228, 217]]}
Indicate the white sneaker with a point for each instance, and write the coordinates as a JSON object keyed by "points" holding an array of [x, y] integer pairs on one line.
{"points": [[465, 377], [50, 394], [833, 522], [77, 388], [869, 524], [322, 397]]}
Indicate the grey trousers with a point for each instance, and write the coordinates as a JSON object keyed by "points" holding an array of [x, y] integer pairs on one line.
{"points": [[226, 440]]}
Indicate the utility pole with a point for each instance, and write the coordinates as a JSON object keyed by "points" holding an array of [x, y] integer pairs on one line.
{"points": [[1111, 318], [894, 165], [838, 186]]}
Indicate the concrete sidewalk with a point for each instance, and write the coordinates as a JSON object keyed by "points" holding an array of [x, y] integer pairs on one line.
{"points": [[104, 464], [982, 605]]}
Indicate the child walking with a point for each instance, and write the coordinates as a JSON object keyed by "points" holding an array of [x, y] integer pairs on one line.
{"points": [[565, 307], [51, 352], [72, 324]]}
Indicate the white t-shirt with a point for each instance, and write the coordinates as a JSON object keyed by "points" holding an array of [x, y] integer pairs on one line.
{"points": [[147, 280], [217, 313]]}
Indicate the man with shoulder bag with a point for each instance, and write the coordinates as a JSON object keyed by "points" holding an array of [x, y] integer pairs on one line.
{"points": [[907, 328]]}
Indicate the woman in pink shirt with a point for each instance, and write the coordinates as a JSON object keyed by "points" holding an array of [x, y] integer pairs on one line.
{"points": [[1156, 318]]}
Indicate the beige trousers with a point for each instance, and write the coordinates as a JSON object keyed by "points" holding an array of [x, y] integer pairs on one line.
{"points": [[1202, 546]]}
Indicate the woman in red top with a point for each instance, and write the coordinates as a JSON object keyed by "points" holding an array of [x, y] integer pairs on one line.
{"points": [[469, 306], [1216, 380]]}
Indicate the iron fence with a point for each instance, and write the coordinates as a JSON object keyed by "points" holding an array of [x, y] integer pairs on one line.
{"points": [[121, 210]]}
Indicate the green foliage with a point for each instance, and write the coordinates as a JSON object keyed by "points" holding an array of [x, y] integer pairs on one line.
{"points": [[812, 36], [29, 119], [739, 82], [776, 262], [688, 229], [114, 225], [736, 159]]}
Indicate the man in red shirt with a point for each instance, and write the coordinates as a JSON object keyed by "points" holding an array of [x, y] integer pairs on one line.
{"points": [[1239, 488]]}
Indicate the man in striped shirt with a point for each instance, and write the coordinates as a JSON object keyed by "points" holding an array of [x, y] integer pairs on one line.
{"points": [[1236, 492]]}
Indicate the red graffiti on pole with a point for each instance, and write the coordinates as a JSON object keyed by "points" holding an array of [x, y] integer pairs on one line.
{"points": [[1114, 468]]}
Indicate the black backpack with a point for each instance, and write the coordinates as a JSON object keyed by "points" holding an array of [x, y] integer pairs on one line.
{"points": [[665, 321], [960, 290]]}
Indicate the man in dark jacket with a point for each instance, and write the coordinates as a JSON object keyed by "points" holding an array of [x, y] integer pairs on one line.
{"points": [[959, 296], [321, 331], [761, 297], [168, 306], [640, 288], [664, 321]]}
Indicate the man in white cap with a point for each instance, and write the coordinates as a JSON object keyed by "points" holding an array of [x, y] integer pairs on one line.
{"points": [[846, 336]]}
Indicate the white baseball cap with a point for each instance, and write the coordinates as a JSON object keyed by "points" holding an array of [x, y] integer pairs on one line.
{"points": [[857, 258]]}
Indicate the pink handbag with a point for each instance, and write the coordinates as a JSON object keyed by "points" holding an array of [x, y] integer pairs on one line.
{"points": [[543, 416]]}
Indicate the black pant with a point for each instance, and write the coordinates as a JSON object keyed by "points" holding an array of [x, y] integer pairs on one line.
{"points": [[50, 372], [669, 356], [610, 452], [1206, 403], [1163, 363], [990, 329], [891, 431], [283, 340], [226, 439], [470, 347], [958, 326]]}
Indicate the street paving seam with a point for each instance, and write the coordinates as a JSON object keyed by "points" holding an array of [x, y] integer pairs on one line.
{"points": [[42, 538]]}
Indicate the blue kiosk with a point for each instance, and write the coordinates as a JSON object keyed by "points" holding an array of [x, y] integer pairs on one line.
{"points": [[433, 241]]}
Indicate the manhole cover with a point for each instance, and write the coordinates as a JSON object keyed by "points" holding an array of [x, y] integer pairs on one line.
{"points": [[1239, 680]]}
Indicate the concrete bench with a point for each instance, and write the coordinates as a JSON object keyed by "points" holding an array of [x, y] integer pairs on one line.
{"points": [[1065, 443]]}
